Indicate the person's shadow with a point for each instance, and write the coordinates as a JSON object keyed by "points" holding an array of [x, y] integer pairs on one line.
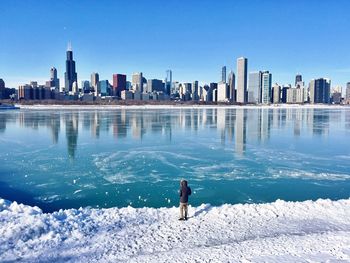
{"points": [[205, 208]]}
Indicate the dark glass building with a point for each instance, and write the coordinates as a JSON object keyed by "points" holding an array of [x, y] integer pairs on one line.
{"points": [[284, 94], [155, 85], [119, 84], [70, 75], [320, 90], [104, 86]]}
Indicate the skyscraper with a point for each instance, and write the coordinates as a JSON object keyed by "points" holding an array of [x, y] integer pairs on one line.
{"points": [[195, 90], [347, 95], [276, 93], [266, 87], [53, 73], [232, 86], [2, 88], [137, 82], [155, 85], [223, 74], [320, 90], [85, 85], [222, 91], [119, 84], [168, 81], [55, 82], [284, 92], [104, 87], [70, 75], [298, 78], [95, 83], [242, 67], [2, 84], [254, 87]]}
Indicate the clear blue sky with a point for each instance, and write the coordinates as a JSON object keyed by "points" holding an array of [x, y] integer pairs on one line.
{"points": [[193, 38]]}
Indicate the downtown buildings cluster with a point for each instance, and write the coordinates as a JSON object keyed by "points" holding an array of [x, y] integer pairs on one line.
{"points": [[247, 88]]}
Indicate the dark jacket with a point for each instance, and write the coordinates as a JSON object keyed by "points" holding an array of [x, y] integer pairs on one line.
{"points": [[184, 192]]}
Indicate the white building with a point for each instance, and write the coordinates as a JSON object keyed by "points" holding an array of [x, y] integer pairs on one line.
{"points": [[222, 92], [136, 82], [242, 67], [295, 95]]}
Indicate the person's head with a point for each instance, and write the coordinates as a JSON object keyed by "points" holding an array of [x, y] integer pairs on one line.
{"points": [[183, 183]]}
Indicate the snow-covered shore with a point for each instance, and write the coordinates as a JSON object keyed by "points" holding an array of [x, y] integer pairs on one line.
{"points": [[310, 231], [178, 106]]}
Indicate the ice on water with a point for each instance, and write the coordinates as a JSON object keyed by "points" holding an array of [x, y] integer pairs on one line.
{"points": [[72, 157]]}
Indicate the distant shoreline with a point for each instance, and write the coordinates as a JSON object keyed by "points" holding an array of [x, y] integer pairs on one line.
{"points": [[177, 106]]}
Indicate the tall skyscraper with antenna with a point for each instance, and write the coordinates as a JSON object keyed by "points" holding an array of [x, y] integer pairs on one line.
{"points": [[70, 76]]}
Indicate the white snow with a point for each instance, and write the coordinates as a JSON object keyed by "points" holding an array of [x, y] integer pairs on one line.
{"points": [[309, 231]]}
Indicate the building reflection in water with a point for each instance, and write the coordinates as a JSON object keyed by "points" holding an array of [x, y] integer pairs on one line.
{"points": [[241, 131], [72, 124], [233, 125]]}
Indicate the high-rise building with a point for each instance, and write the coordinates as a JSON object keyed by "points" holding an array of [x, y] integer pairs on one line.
{"points": [[295, 95], [104, 87], [232, 86], [336, 95], [187, 91], [137, 82], [320, 90], [70, 75], [284, 91], [212, 95], [85, 84], [2, 88], [222, 92], [168, 81], [276, 93], [195, 90], [119, 84], [298, 78], [2, 84], [254, 87], [25, 92], [347, 95], [223, 74], [155, 85], [242, 68], [54, 81], [266, 87], [95, 83]]}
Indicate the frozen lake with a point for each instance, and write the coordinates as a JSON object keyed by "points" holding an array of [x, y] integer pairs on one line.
{"points": [[118, 157]]}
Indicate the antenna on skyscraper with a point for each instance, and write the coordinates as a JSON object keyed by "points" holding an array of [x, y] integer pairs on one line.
{"points": [[69, 47]]}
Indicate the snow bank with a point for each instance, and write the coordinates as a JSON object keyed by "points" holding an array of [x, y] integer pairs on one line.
{"points": [[276, 232]]}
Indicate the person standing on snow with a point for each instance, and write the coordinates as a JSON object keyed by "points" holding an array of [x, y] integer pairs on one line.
{"points": [[184, 192]]}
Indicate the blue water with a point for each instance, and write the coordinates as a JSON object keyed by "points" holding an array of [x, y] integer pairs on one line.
{"points": [[102, 158]]}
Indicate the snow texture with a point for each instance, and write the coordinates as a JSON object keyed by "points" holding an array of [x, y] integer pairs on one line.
{"points": [[309, 231]]}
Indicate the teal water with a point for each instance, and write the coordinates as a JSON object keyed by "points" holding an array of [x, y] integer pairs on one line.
{"points": [[102, 158]]}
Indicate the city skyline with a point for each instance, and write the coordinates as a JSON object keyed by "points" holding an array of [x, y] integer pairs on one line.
{"points": [[25, 58], [258, 91]]}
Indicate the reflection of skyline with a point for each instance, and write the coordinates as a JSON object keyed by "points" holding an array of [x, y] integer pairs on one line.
{"points": [[241, 131], [72, 124], [238, 126]]}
